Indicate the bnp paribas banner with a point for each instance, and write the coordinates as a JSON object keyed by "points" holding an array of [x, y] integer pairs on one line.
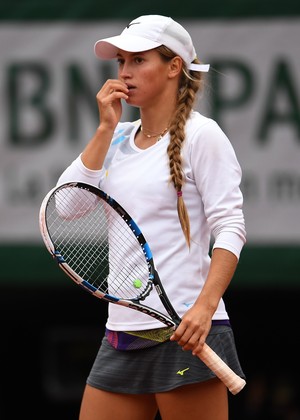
{"points": [[49, 78]]}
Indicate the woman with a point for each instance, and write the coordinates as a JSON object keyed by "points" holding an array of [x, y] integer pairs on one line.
{"points": [[176, 173]]}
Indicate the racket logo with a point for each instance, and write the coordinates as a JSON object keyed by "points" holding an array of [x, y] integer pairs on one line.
{"points": [[149, 312]]}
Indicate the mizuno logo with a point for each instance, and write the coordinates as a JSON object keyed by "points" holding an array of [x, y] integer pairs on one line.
{"points": [[181, 372], [132, 23]]}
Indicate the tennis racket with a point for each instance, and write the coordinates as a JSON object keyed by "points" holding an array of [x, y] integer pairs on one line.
{"points": [[99, 246]]}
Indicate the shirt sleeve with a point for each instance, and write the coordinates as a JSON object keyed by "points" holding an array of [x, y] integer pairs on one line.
{"points": [[78, 172], [218, 176]]}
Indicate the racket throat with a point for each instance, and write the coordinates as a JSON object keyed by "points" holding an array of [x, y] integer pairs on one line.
{"points": [[165, 300]]}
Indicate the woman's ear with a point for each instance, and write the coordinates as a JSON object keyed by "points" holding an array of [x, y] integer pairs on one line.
{"points": [[175, 66]]}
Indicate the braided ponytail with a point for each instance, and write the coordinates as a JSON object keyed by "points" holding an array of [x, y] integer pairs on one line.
{"points": [[189, 85]]}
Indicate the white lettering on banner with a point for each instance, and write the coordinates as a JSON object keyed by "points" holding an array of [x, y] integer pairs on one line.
{"points": [[49, 79]]}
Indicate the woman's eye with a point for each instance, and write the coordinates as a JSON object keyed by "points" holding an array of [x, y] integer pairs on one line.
{"points": [[139, 60]]}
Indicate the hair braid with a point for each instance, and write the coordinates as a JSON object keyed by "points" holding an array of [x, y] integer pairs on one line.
{"points": [[188, 86]]}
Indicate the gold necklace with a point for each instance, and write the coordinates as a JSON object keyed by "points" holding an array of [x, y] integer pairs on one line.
{"points": [[159, 135]]}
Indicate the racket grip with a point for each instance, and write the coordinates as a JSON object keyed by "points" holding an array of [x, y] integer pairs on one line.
{"points": [[233, 382]]}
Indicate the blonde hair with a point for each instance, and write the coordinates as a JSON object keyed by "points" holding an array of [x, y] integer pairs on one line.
{"points": [[189, 84]]}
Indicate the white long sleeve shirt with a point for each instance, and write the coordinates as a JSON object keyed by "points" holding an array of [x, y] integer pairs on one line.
{"points": [[140, 181]]}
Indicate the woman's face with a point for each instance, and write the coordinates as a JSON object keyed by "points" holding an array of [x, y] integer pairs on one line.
{"points": [[146, 76]]}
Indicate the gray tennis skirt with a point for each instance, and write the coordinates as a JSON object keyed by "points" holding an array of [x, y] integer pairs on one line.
{"points": [[160, 368]]}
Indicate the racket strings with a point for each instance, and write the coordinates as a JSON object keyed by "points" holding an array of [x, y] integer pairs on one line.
{"points": [[66, 235], [97, 243]]}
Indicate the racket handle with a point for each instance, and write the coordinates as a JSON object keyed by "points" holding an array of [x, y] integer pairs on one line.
{"points": [[233, 382]]}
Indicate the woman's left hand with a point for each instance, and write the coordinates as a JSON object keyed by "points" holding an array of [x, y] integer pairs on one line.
{"points": [[192, 331]]}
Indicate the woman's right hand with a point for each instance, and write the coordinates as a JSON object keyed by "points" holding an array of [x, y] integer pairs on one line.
{"points": [[110, 111], [109, 102]]}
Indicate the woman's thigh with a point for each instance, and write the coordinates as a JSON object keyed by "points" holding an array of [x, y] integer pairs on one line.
{"points": [[202, 401], [102, 405]]}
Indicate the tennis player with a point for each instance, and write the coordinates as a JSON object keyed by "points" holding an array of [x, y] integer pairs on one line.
{"points": [[175, 171]]}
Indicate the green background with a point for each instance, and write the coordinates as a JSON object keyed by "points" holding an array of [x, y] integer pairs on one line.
{"points": [[94, 10]]}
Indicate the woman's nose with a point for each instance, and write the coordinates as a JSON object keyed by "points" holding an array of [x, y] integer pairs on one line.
{"points": [[124, 71]]}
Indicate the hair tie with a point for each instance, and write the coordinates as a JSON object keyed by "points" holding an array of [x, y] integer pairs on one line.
{"points": [[179, 193]]}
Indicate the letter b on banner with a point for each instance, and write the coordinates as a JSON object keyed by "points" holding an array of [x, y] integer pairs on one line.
{"points": [[30, 119]]}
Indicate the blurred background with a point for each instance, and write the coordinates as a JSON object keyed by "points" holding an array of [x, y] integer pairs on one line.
{"points": [[51, 330]]}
